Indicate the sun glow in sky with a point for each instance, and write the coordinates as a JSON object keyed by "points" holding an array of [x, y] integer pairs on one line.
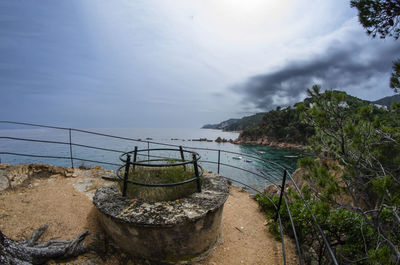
{"points": [[179, 63], [246, 17]]}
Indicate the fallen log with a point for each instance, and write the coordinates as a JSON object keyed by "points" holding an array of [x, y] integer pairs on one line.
{"points": [[30, 252]]}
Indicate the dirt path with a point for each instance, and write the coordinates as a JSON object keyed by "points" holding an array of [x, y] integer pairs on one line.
{"points": [[246, 238], [55, 201]]}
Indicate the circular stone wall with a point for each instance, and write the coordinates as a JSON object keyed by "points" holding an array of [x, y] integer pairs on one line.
{"points": [[167, 231]]}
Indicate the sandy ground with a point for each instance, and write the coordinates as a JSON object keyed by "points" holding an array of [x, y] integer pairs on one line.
{"points": [[246, 238], [56, 202]]}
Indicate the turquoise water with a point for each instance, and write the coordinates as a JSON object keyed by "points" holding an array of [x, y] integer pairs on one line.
{"points": [[250, 159]]}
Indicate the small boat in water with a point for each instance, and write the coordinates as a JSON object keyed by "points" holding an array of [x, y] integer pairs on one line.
{"points": [[237, 157], [261, 152], [291, 156], [247, 161]]}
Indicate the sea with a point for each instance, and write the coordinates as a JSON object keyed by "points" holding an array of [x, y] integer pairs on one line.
{"points": [[253, 167]]}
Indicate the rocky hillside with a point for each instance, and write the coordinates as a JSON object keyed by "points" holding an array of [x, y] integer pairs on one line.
{"points": [[237, 124], [286, 126], [387, 101], [276, 128], [282, 127], [221, 125]]}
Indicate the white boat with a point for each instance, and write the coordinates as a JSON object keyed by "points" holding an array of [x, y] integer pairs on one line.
{"points": [[237, 157]]}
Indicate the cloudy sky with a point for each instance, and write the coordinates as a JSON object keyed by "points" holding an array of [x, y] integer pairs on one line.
{"points": [[175, 63]]}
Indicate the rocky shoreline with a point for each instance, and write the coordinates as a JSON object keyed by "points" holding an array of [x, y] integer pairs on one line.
{"points": [[264, 141]]}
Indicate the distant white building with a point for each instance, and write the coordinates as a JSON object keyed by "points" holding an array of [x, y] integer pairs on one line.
{"points": [[381, 106]]}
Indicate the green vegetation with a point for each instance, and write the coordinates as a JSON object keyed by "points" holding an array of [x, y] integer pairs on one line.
{"points": [[160, 175], [286, 125], [245, 122], [237, 124], [395, 78], [346, 230], [353, 189], [280, 126]]}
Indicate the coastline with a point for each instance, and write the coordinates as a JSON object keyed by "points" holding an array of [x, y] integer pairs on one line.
{"points": [[261, 141], [264, 141]]}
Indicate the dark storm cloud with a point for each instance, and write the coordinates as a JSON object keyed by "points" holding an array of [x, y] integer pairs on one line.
{"points": [[343, 66]]}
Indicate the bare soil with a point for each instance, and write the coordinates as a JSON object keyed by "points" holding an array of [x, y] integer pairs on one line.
{"points": [[56, 201]]}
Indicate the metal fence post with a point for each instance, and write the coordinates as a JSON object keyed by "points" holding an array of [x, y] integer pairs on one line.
{"points": [[196, 172], [182, 156], [135, 156], [219, 160], [70, 149], [282, 191], [127, 165], [148, 152]]}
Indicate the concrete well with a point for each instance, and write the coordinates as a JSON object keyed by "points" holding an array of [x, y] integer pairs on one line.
{"points": [[167, 232]]}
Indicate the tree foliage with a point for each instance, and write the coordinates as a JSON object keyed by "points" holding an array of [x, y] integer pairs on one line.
{"points": [[245, 122], [365, 140], [281, 125], [395, 78], [379, 17], [353, 188]]}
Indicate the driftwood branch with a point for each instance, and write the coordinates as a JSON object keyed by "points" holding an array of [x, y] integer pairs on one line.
{"points": [[30, 252], [36, 235]]}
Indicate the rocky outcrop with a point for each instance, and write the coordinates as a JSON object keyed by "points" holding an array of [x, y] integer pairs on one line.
{"points": [[22, 179], [343, 197], [223, 140], [273, 189], [201, 140], [264, 141], [12, 176]]}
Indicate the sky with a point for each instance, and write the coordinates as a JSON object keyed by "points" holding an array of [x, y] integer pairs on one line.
{"points": [[179, 64]]}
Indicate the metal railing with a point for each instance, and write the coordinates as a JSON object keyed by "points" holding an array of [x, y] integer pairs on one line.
{"points": [[285, 174]]}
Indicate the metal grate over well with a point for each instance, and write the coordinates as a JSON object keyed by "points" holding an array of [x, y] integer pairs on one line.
{"points": [[160, 169]]}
